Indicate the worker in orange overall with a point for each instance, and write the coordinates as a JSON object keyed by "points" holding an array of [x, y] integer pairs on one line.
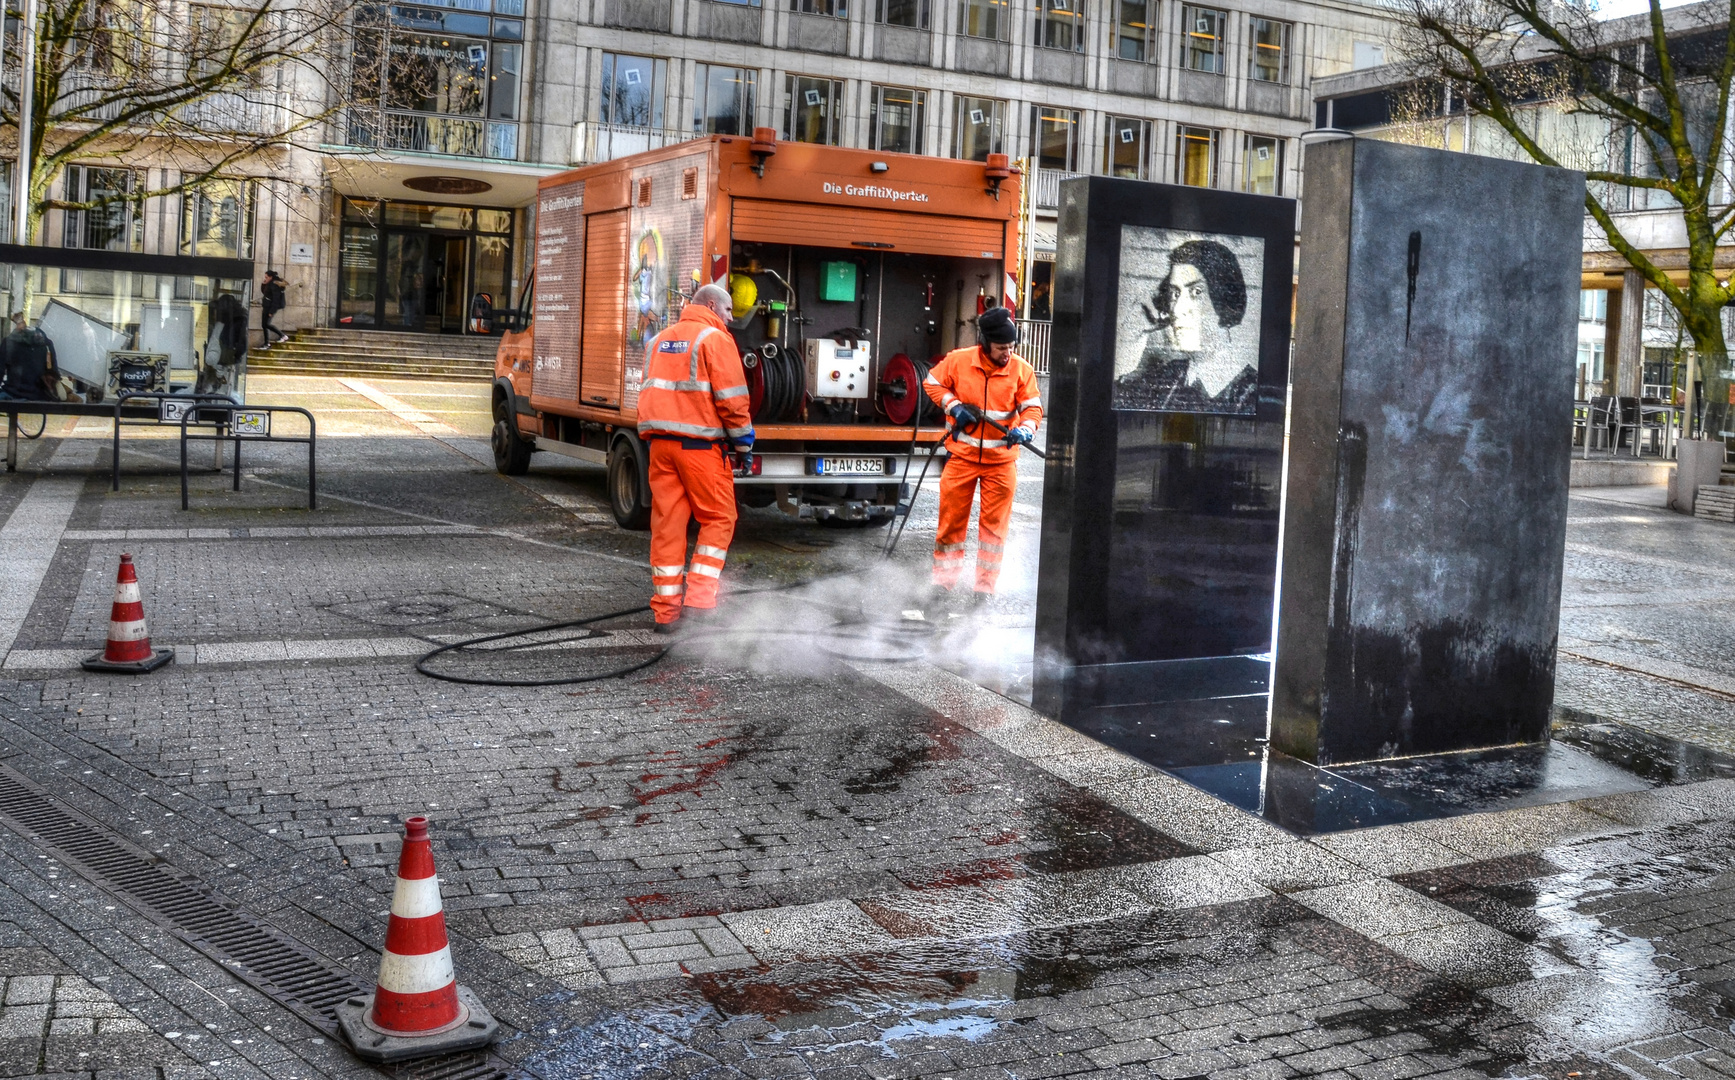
{"points": [[986, 381], [692, 410]]}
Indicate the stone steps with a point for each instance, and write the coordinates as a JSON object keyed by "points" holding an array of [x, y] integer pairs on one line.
{"points": [[338, 352]]}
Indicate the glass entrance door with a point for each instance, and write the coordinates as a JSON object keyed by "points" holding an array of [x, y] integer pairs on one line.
{"points": [[449, 277], [415, 267], [405, 281]]}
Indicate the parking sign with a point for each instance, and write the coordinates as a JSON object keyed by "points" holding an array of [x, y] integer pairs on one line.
{"points": [[250, 422]]}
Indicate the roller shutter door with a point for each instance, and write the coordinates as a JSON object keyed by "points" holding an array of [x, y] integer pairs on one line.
{"points": [[605, 309], [818, 225]]}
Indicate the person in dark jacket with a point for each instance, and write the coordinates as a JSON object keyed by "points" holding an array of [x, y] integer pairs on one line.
{"points": [[27, 358], [271, 301]]}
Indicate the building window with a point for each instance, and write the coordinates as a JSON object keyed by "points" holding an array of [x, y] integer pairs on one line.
{"points": [[895, 119], [834, 8], [1196, 157], [815, 113], [980, 127], [217, 219], [446, 82], [1264, 165], [1134, 35], [913, 13], [723, 100], [1060, 24], [983, 19], [1202, 39], [1126, 148], [1054, 138], [215, 32], [632, 90], [1270, 59], [115, 223], [505, 63]]}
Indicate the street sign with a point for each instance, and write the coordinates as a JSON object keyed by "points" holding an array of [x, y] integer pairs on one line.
{"points": [[250, 422], [170, 411]]}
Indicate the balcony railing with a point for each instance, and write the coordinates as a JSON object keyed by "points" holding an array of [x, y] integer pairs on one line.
{"points": [[593, 142], [1047, 194], [233, 113], [1033, 342], [384, 129]]}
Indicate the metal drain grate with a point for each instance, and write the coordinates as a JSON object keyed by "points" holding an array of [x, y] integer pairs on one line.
{"points": [[290, 973]]}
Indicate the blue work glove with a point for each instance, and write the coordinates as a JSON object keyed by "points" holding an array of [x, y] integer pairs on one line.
{"points": [[965, 417], [1018, 437]]}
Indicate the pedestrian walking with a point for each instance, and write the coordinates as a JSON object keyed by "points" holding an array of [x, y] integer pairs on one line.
{"points": [[271, 301], [985, 381], [692, 409]]}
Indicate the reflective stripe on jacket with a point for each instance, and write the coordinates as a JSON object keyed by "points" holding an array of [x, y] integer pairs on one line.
{"points": [[1006, 395], [694, 387]]}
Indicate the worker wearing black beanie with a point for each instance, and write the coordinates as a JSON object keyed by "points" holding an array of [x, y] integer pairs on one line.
{"points": [[975, 384]]}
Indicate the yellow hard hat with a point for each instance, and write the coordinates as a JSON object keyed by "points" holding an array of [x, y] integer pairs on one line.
{"points": [[743, 294]]}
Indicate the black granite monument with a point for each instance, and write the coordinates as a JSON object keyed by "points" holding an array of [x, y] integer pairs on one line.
{"points": [[1165, 421], [1425, 515]]}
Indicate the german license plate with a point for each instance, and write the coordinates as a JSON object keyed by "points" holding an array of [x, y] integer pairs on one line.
{"points": [[850, 466]]}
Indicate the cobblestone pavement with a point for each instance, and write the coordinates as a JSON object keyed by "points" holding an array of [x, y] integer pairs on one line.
{"points": [[772, 855]]}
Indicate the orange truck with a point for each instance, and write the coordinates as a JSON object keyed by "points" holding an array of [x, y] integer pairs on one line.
{"points": [[850, 271]]}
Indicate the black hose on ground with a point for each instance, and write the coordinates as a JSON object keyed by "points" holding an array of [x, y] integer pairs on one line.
{"points": [[914, 629], [840, 629]]}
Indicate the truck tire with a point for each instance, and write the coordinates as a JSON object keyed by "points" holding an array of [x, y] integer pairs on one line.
{"points": [[511, 450], [626, 494]]}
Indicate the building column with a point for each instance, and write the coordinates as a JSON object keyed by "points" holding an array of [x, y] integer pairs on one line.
{"points": [[1623, 353]]}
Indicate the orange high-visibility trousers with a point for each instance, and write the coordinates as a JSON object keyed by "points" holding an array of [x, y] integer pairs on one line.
{"points": [[688, 483], [958, 486]]}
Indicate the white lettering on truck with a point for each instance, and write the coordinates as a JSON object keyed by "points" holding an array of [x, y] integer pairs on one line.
{"points": [[875, 191]]}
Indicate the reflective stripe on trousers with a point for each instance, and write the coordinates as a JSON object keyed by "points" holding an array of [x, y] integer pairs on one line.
{"points": [[958, 487], [688, 484]]}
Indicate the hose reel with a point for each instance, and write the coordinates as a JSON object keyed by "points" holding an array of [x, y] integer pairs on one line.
{"points": [[776, 384], [901, 393]]}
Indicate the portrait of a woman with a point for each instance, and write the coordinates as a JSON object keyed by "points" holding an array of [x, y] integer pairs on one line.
{"points": [[1199, 351]]}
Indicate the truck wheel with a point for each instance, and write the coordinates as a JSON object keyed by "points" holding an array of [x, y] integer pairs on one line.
{"points": [[511, 450], [631, 508]]}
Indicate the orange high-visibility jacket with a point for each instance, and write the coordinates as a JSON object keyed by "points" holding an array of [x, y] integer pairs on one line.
{"points": [[694, 387], [1007, 395]]}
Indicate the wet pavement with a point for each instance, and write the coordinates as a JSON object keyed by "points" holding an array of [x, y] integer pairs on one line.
{"points": [[821, 838]]}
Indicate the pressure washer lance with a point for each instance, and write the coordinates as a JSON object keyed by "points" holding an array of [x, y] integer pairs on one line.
{"points": [[1005, 431]]}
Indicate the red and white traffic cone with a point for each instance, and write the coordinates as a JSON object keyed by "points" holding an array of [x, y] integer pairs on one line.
{"points": [[418, 1007], [129, 642]]}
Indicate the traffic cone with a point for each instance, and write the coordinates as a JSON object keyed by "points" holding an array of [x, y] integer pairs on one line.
{"points": [[129, 643], [418, 1007]]}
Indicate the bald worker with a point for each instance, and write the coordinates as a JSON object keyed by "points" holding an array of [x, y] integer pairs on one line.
{"points": [[692, 412]]}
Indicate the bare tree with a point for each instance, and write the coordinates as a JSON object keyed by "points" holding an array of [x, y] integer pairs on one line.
{"points": [[1642, 108], [200, 88]]}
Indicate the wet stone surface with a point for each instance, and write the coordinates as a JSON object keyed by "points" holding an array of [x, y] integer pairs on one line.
{"points": [[773, 856]]}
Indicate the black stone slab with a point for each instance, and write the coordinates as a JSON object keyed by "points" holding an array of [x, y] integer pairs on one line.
{"points": [[1425, 516], [1168, 367]]}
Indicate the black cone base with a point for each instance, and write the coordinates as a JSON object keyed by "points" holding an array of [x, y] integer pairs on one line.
{"points": [[475, 1030], [95, 662]]}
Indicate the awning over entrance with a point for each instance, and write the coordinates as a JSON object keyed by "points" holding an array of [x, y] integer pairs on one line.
{"points": [[431, 178], [819, 225], [1042, 241]]}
